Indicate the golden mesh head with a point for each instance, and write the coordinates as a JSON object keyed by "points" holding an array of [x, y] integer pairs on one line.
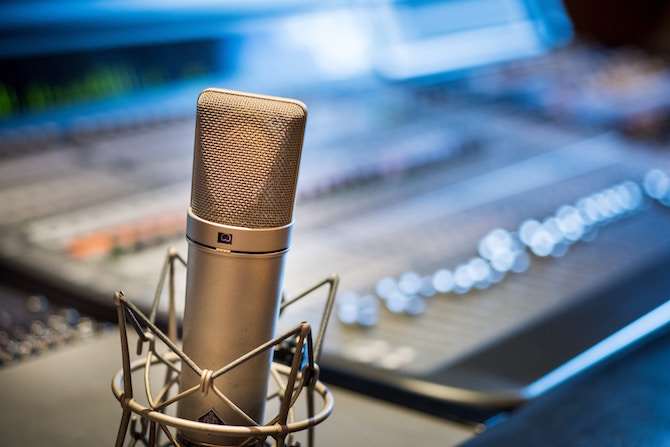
{"points": [[246, 158]]}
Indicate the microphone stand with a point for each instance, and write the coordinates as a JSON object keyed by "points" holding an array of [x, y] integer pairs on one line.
{"points": [[294, 371]]}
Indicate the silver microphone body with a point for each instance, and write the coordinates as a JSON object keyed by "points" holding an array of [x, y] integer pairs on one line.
{"points": [[247, 152]]}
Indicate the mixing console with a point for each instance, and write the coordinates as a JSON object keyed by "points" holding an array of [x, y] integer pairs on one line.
{"points": [[454, 219]]}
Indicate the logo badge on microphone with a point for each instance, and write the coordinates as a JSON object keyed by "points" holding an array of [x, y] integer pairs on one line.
{"points": [[211, 418], [225, 238]]}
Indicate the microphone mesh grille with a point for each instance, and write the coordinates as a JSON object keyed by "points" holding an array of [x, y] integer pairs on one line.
{"points": [[246, 158]]}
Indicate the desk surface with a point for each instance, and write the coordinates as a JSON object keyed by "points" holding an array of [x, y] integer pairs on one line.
{"points": [[64, 398]]}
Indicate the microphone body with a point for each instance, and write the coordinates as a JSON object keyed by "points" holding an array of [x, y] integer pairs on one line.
{"points": [[245, 169]]}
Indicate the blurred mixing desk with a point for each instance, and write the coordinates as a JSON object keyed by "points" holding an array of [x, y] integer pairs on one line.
{"points": [[493, 191], [626, 403], [495, 235]]}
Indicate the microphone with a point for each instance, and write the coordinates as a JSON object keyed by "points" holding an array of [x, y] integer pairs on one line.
{"points": [[245, 169]]}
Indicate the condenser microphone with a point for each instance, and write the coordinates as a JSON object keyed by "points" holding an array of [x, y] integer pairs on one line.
{"points": [[245, 170]]}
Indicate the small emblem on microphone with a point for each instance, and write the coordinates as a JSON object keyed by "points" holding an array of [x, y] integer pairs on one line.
{"points": [[210, 418], [225, 238]]}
